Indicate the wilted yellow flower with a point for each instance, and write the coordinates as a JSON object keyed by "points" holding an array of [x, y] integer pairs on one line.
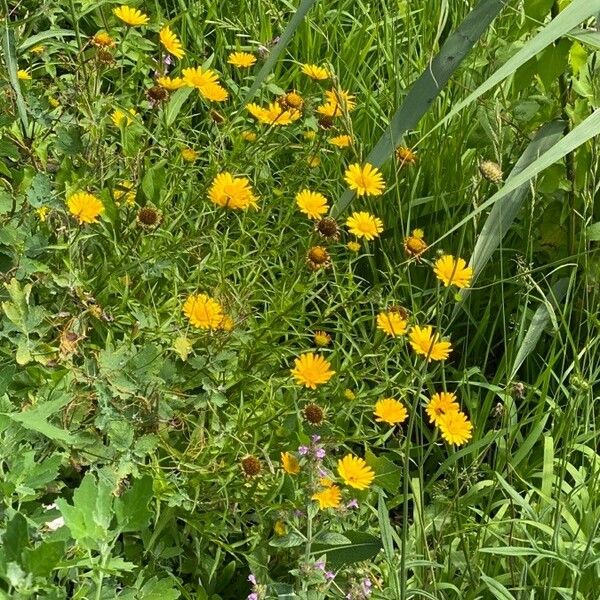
{"points": [[23, 75], [414, 244], [206, 81], [241, 59], [355, 472], [405, 156], [426, 343], [228, 191], [349, 394], [189, 154], [328, 497], [171, 83], [392, 323], [312, 204], [455, 427], [171, 42], [453, 271], [364, 225], [273, 114], [290, 463], [311, 370], [130, 16], [102, 40], [318, 258], [85, 207], [315, 72], [365, 179], [280, 528], [341, 141], [322, 339], [439, 405], [120, 117], [249, 136], [203, 311], [183, 347], [391, 411]]}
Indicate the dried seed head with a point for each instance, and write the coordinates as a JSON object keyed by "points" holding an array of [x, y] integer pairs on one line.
{"points": [[314, 414], [149, 217], [326, 122], [405, 155], [217, 117], [328, 228], [157, 93], [251, 466], [318, 258], [491, 171]]}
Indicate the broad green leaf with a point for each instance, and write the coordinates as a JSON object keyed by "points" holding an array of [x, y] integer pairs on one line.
{"points": [[290, 540], [131, 509], [15, 538], [176, 102], [387, 474], [593, 232], [42, 559], [496, 588], [362, 546], [159, 589], [34, 40], [537, 9], [589, 37]]}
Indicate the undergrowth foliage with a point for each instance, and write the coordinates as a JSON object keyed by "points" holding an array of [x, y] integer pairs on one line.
{"points": [[218, 382]]}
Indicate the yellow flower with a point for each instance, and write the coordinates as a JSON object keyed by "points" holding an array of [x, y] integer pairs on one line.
{"points": [[342, 98], [315, 72], [349, 394], [130, 16], [341, 141], [241, 59], [390, 411], [273, 114], [189, 154], [365, 180], [322, 339], [313, 162], [392, 323], [440, 405], [328, 497], [290, 463], [405, 156], [125, 192], [42, 213], [426, 343], [206, 81], [39, 49], [280, 528], [455, 427], [311, 370], [228, 191], [203, 312], [330, 109], [86, 208], [249, 136], [353, 246], [226, 323], [364, 225], [453, 271], [414, 244], [23, 75], [355, 472], [171, 83], [102, 40], [312, 204], [171, 42], [54, 103], [309, 135], [120, 117]]}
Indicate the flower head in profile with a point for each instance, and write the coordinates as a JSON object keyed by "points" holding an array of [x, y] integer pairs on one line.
{"points": [[355, 472], [189, 155], [414, 244], [171, 83], [365, 179], [455, 427], [312, 204], [171, 42], [85, 207], [341, 141], [343, 99], [102, 39], [321, 339], [405, 156], [441, 404], [130, 16], [426, 343], [228, 191], [315, 72], [290, 463], [392, 323], [364, 225], [206, 81], [311, 369], [120, 117], [328, 497], [23, 75], [452, 270], [390, 411], [203, 311], [273, 114], [241, 59]]}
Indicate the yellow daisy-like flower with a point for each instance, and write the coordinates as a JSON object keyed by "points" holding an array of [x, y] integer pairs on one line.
{"points": [[328, 497], [456, 428], [341, 141], [414, 244], [391, 411], [38, 50], [120, 117], [249, 136], [241, 59], [312, 204], [171, 83], [206, 81], [203, 312], [355, 472], [171, 42], [86, 208], [102, 40], [392, 323], [353, 246], [330, 109], [405, 156], [453, 271], [441, 404], [290, 463], [23, 75], [228, 191], [426, 343], [311, 370], [273, 114], [189, 154], [130, 16], [344, 99], [322, 339], [365, 179], [364, 225], [315, 72]]}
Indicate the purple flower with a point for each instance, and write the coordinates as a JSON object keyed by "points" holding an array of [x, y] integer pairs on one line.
{"points": [[168, 60], [303, 450], [315, 437], [329, 575], [320, 564], [352, 504], [253, 596], [252, 579], [320, 453], [323, 472]]}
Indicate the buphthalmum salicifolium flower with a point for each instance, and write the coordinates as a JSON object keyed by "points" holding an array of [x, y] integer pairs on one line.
{"points": [[312, 204], [205, 312], [441, 404], [189, 154], [311, 369], [85, 207], [405, 155], [355, 472], [453, 271], [123, 117], [415, 244], [131, 16], [233, 192], [365, 180], [455, 428], [315, 72], [427, 343], [241, 59], [364, 225], [171, 43], [330, 496], [101, 39], [171, 83], [321, 339], [206, 81], [392, 322], [390, 411], [23, 75], [273, 114], [290, 463], [341, 141]]}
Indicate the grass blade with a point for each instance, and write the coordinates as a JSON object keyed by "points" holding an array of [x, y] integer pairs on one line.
{"points": [[10, 57]]}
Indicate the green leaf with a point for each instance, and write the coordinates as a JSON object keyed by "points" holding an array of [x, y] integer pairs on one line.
{"points": [[12, 66], [15, 538], [497, 589], [537, 9], [34, 40], [159, 589], [290, 540], [331, 538], [153, 181], [362, 546], [40, 561], [176, 102], [40, 190], [593, 232], [132, 508], [387, 474], [552, 62]]}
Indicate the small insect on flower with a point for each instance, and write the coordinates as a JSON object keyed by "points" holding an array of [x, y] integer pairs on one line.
{"points": [[189, 155], [414, 244], [203, 311], [130, 16], [315, 72], [120, 117], [171, 42], [341, 141], [149, 218], [392, 323], [321, 339], [290, 463], [232, 192], [242, 60], [314, 414], [23, 75], [441, 404], [251, 466], [312, 204], [206, 81], [390, 411], [328, 497], [171, 83], [491, 171], [456, 428], [102, 39], [311, 369], [86, 208], [355, 472], [453, 271], [328, 229], [425, 343], [364, 225], [318, 258], [365, 180], [405, 156]]}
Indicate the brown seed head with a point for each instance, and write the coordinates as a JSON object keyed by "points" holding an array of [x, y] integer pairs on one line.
{"points": [[251, 466], [318, 258], [327, 228], [149, 217], [314, 414]]}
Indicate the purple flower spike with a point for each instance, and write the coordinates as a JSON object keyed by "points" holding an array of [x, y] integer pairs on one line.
{"points": [[315, 438], [329, 575], [303, 450], [252, 579], [320, 453]]}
